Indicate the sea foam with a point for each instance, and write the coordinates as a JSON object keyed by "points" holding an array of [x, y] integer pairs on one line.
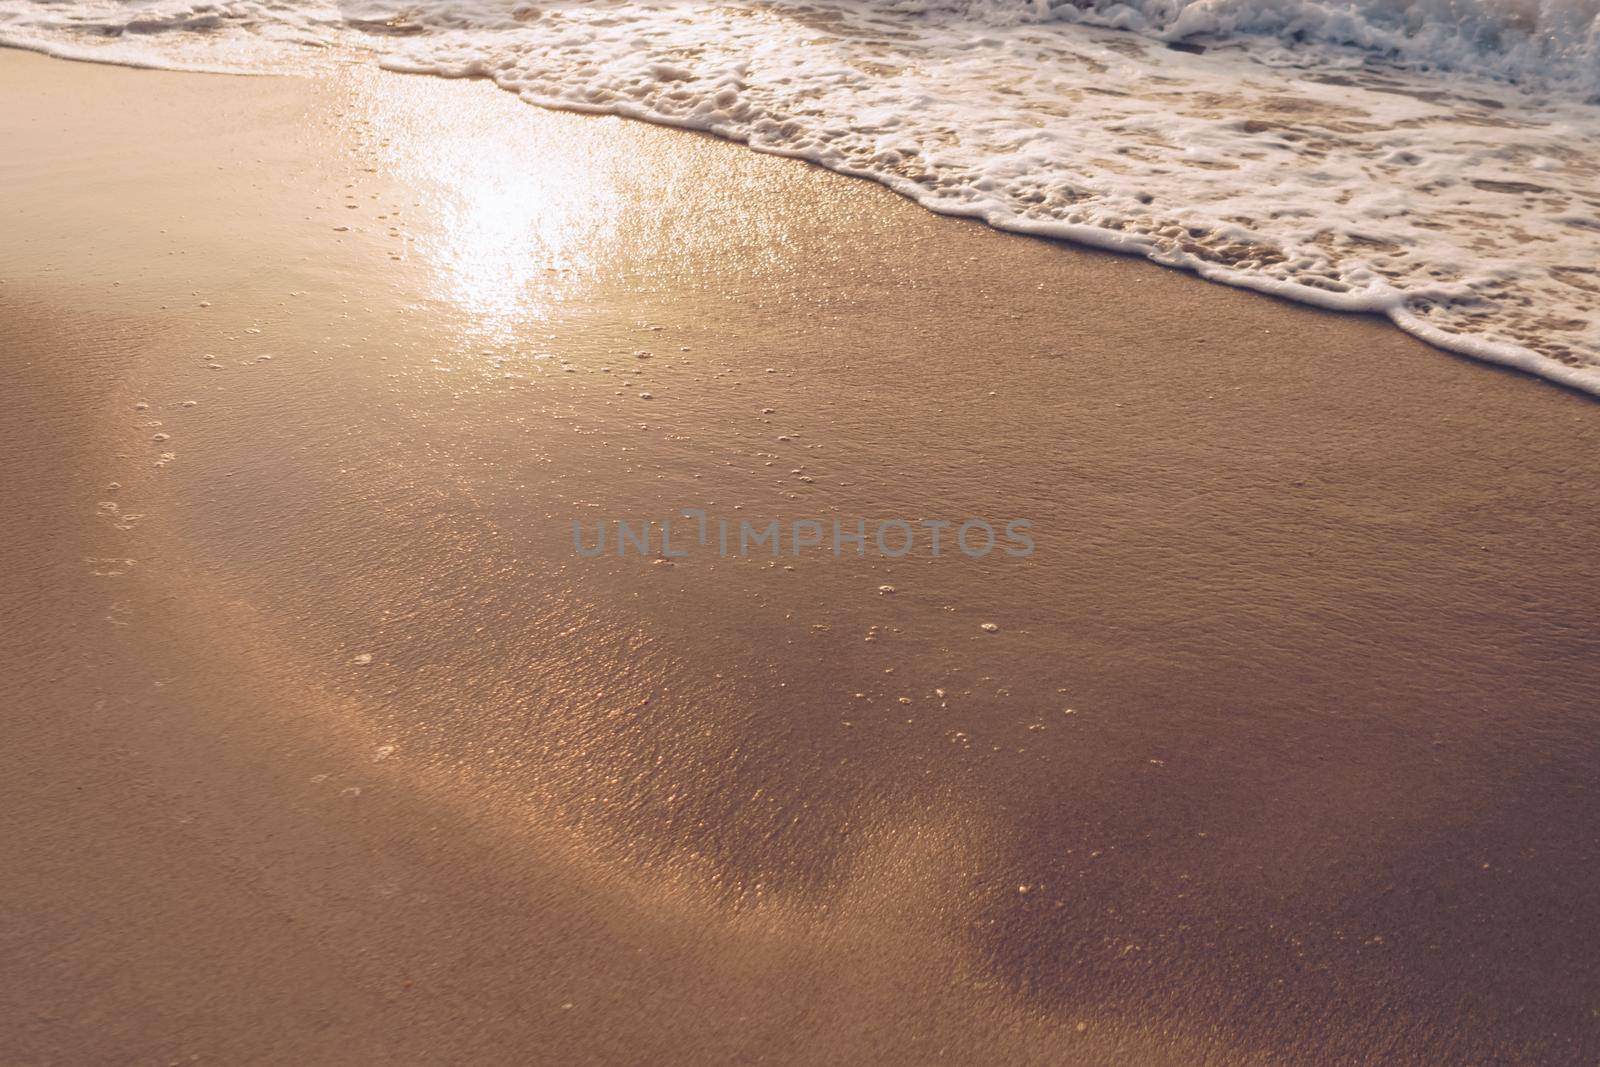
{"points": [[1436, 162]]}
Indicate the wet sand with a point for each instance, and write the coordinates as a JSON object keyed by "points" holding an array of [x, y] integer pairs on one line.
{"points": [[323, 745]]}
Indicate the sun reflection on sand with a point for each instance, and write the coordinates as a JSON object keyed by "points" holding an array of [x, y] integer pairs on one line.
{"points": [[511, 229]]}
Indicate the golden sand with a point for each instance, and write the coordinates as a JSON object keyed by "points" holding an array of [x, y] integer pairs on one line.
{"points": [[323, 745]]}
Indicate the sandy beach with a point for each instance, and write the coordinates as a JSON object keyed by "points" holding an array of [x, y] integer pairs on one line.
{"points": [[322, 743]]}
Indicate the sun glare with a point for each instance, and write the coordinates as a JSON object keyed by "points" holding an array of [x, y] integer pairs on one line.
{"points": [[510, 227]]}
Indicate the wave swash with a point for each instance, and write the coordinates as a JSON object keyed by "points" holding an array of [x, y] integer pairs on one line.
{"points": [[1437, 162]]}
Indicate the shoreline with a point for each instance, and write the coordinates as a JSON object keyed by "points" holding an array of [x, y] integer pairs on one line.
{"points": [[1382, 299], [327, 740]]}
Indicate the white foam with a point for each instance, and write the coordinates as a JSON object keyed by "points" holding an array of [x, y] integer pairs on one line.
{"points": [[1384, 163]]}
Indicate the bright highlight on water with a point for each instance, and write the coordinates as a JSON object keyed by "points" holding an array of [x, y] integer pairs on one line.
{"points": [[1437, 162]]}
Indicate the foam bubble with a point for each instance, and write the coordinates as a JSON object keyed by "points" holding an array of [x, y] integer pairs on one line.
{"points": [[1432, 160]]}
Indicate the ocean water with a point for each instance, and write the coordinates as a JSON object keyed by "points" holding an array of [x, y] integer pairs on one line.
{"points": [[1437, 162]]}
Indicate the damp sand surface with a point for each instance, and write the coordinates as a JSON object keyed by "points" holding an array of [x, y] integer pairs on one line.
{"points": [[322, 744]]}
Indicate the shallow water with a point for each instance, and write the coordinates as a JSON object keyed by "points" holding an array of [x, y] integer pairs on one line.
{"points": [[1437, 164]]}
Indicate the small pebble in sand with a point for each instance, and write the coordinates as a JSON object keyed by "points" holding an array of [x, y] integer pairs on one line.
{"points": [[885, 590], [646, 396], [990, 628], [382, 753], [362, 660]]}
